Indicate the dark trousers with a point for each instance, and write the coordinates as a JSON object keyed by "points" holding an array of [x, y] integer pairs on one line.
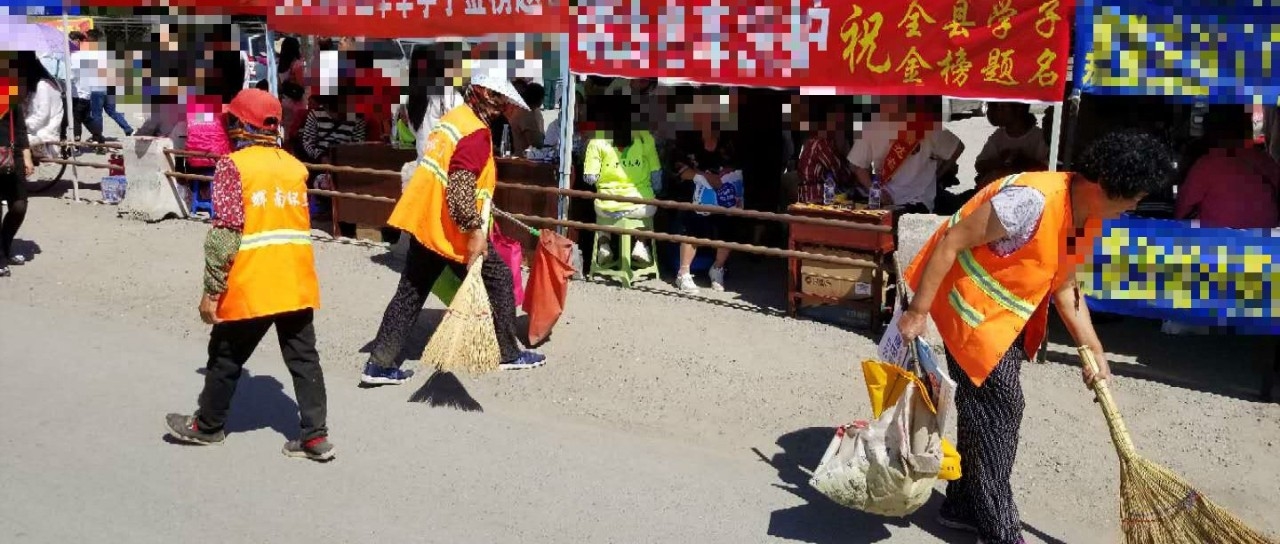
{"points": [[988, 423], [82, 117], [421, 270], [230, 346]]}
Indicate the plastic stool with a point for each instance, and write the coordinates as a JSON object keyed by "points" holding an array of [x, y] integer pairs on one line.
{"points": [[624, 273], [198, 203]]}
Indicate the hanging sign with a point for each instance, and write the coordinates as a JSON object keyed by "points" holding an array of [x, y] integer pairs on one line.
{"points": [[1014, 49], [1219, 53], [418, 18]]}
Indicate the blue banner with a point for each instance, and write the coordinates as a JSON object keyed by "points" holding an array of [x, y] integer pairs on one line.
{"points": [[1215, 51], [1171, 270]]}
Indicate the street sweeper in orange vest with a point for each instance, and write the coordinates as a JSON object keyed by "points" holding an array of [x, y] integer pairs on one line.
{"points": [[259, 273]]}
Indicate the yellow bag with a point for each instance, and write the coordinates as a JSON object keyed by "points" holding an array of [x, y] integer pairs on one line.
{"points": [[885, 385]]}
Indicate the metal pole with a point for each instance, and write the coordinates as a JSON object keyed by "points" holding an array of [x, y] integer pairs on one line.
{"points": [[1055, 143], [566, 131], [273, 75], [71, 116]]}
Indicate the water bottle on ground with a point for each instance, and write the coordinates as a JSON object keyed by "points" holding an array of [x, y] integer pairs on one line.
{"points": [[873, 197]]}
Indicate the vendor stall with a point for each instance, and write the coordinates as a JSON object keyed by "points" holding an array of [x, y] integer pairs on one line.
{"points": [[1012, 50], [1176, 270]]}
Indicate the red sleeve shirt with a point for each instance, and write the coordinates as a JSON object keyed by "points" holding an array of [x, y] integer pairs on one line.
{"points": [[472, 152], [228, 202]]}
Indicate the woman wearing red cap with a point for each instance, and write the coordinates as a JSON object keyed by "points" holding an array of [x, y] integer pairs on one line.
{"points": [[259, 272]]}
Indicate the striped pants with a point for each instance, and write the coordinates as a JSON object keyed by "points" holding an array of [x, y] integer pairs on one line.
{"points": [[988, 421]]}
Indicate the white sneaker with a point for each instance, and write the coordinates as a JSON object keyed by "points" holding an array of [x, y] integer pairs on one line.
{"points": [[640, 255], [684, 282], [717, 278]]}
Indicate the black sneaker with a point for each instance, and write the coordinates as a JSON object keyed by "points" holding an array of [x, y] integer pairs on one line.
{"points": [[316, 449], [4, 271], [184, 429]]}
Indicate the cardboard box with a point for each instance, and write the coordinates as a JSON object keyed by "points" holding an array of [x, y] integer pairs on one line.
{"points": [[838, 281]]}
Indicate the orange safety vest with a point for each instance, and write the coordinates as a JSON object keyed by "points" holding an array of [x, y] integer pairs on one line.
{"points": [[422, 210], [274, 270], [985, 300]]}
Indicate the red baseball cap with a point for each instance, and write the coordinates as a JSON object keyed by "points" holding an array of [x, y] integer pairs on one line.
{"points": [[257, 108]]}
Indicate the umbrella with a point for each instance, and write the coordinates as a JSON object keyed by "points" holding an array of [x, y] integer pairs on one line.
{"points": [[41, 39]]}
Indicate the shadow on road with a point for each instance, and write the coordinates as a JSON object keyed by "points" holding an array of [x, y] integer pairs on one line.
{"points": [[821, 521], [261, 402], [1223, 364]]}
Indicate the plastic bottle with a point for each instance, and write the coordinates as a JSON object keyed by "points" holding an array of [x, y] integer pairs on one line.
{"points": [[828, 190], [873, 197]]}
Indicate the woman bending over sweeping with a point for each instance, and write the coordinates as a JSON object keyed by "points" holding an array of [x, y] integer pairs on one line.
{"points": [[986, 277]]}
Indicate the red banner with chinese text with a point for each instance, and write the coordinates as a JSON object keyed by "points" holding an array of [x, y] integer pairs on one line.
{"points": [[999, 49], [418, 18]]}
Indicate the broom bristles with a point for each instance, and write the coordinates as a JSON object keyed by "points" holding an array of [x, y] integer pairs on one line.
{"points": [[1158, 507], [466, 341]]}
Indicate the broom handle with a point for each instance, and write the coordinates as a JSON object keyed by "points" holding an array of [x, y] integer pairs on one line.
{"points": [[1119, 432]]}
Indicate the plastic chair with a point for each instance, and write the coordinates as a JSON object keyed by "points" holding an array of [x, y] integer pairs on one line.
{"points": [[623, 272], [200, 203]]}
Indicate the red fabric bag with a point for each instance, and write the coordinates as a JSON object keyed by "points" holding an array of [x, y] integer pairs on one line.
{"points": [[548, 284]]}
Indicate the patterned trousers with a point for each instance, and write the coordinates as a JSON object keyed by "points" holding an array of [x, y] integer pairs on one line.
{"points": [[989, 418], [421, 270]]}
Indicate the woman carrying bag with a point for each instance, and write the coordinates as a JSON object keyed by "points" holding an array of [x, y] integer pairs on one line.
{"points": [[986, 278]]}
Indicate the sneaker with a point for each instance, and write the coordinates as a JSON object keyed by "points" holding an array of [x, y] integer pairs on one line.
{"points": [[956, 524], [685, 283], [316, 449], [717, 278], [4, 271], [640, 255], [184, 429], [17, 260], [526, 359], [380, 375]]}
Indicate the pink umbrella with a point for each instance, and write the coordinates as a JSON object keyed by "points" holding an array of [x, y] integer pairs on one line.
{"points": [[41, 39]]}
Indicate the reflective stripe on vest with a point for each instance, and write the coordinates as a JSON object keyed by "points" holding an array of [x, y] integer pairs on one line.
{"points": [[275, 237]]}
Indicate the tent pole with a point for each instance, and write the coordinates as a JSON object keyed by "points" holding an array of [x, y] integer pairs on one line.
{"points": [[71, 116], [273, 74], [1055, 138], [566, 130]]}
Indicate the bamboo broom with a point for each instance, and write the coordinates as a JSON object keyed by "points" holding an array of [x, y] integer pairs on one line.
{"points": [[1156, 506], [466, 341]]}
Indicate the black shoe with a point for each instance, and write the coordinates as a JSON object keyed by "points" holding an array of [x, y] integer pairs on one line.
{"points": [[4, 271], [316, 449], [185, 429]]}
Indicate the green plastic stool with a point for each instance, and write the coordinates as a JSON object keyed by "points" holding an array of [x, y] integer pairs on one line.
{"points": [[624, 273]]}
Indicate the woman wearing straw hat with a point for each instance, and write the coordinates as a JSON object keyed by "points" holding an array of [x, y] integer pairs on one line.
{"points": [[259, 273], [986, 278], [441, 209]]}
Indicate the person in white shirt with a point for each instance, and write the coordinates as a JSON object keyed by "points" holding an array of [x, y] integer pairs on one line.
{"points": [[45, 111], [84, 77], [95, 77], [431, 95], [912, 127]]}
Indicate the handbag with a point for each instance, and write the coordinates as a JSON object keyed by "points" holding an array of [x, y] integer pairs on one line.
{"points": [[8, 153]]}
